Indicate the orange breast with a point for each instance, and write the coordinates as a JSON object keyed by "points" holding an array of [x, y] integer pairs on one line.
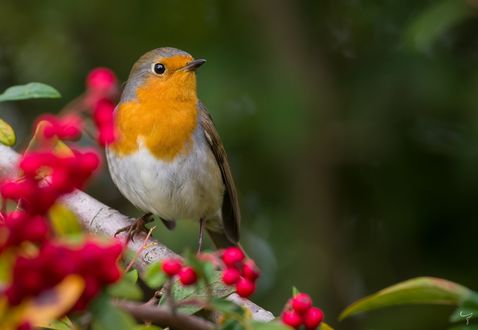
{"points": [[163, 117]]}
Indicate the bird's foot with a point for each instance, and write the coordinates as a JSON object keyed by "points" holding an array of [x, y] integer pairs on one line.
{"points": [[202, 223], [138, 226]]}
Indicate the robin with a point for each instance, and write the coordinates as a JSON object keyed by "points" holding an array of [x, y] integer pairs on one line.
{"points": [[169, 160]]}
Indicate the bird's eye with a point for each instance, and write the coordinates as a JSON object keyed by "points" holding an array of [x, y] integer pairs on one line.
{"points": [[159, 68]]}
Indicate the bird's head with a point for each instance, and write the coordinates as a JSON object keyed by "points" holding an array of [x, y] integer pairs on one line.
{"points": [[163, 73]]}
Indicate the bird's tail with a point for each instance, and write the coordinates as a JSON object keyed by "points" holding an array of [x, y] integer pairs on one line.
{"points": [[220, 240]]}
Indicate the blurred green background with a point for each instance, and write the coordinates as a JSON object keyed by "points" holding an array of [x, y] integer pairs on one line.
{"points": [[351, 127]]}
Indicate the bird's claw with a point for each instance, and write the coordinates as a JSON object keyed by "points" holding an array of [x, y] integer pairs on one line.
{"points": [[137, 227]]}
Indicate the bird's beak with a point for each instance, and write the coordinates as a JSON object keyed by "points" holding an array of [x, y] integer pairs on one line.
{"points": [[193, 65]]}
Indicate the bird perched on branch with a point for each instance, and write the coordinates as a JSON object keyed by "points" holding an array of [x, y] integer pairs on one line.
{"points": [[168, 159]]}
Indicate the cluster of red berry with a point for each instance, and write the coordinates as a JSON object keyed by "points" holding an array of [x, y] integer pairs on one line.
{"points": [[239, 272], [102, 86], [47, 176], [66, 128], [19, 227], [299, 311], [174, 267], [95, 263]]}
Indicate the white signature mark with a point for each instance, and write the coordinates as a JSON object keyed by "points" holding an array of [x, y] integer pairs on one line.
{"points": [[466, 316]]}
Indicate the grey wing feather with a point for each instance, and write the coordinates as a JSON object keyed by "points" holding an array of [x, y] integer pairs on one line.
{"points": [[231, 215]]}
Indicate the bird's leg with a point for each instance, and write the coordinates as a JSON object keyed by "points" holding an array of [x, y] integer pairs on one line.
{"points": [[137, 227], [202, 222]]}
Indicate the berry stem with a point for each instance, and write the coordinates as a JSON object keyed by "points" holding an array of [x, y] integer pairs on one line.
{"points": [[208, 288], [168, 288], [193, 302]]}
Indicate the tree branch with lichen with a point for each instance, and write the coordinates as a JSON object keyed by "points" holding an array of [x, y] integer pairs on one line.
{"points": [[98, 218], [164, 316]]}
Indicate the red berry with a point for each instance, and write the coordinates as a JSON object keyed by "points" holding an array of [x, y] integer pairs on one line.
{"points": [[232, 256], [172, 266], [70, 133], [107, 135], [15, 216], [250, 270], [245, 288], [230, 276], [44, 199], [89, 161], [25, 325], [101, 80], [36, 230], [60, 180], [62, 267], [70, 128], [92, 287], [103, 112], [111, 274], [114, 251], [292, 319], [51, 129], [88, 255], [14, 296], [313, 317], [30, 163], [15, 190], [301, 302], [31, 281], [66, 128], [187, 276]]}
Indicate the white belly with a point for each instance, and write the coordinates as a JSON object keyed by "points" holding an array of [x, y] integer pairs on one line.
{"points": [[189, 187]]}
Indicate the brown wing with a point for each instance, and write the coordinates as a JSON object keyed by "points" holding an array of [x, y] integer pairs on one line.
{"points": [[231, 216]]}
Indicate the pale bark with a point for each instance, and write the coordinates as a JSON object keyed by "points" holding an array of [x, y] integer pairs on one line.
{"points": [[98, 218]]}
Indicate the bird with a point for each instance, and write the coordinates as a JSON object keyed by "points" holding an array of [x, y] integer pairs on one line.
{"points": [[168, 159]]}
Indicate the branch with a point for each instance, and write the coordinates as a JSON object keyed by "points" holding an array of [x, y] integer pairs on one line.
{"points": [[98, 218], [164, 317]]}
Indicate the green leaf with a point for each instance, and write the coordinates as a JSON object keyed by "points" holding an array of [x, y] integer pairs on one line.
{"points": [[278, 325], [198, 291], [6, 266], [127, 287], [209, 272], [64, 221], [470, 301], [226, 306], [325, 326], [132, 276], [465, 327], [295, 291], [32, 90], [232, 325], [106, 316], [7, 134], [154, 277], [273, 325], [181, 292], [421, 290], [63, 324]]}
